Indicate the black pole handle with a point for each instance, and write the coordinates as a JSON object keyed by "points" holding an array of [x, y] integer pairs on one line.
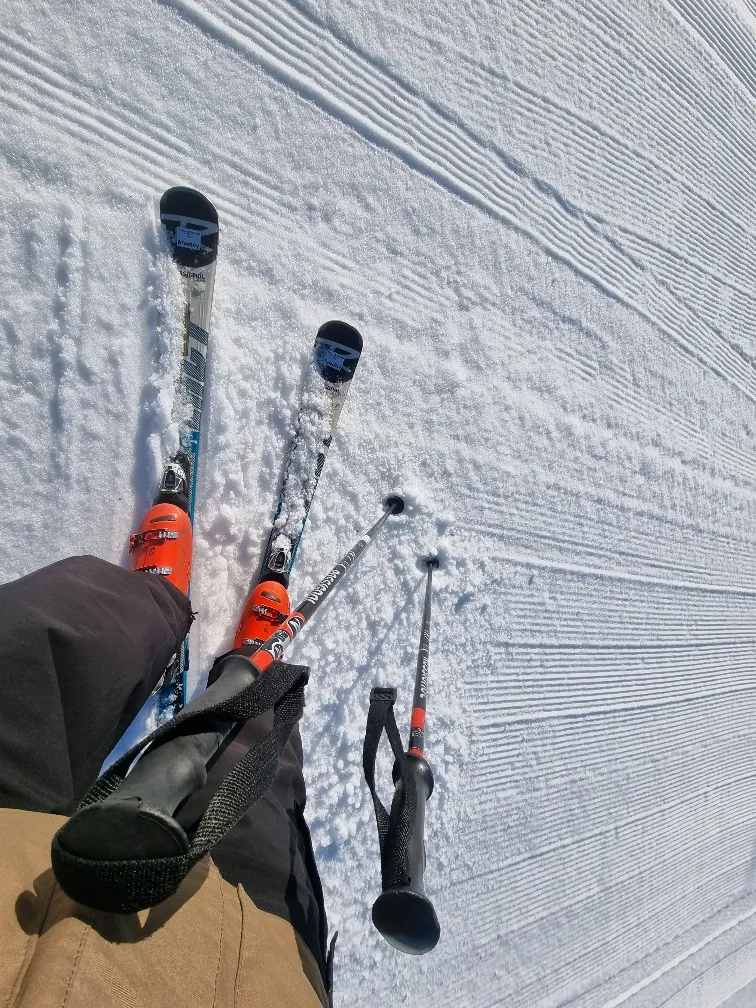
{"points": [[403, 913], [136, 820]]}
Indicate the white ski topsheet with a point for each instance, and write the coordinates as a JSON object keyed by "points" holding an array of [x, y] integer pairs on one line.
{"points": [[540, 215], [321, 404], [197, 286], [185, 234]]}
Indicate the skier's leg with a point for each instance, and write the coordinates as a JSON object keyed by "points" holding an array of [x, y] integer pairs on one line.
{"points": [[82, 644], [269, 851]]}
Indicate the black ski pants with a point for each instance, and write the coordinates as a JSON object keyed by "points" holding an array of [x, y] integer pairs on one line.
{"points": [[82, 644]]}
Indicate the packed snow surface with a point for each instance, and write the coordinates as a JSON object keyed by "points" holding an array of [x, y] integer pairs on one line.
{"points": [[542, 218]]}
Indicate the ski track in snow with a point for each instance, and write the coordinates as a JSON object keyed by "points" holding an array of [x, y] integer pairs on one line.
{"points": [[541, 218]]}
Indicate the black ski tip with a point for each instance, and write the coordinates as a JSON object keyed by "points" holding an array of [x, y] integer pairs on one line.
{"points": [[189, 202], [341, 332], [394, 503], [191, 222], [432, 562], [337, 351]]}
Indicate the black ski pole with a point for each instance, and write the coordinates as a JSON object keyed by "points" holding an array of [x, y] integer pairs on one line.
{"points": [[403, 913], [273, 648], [136, 819], [417, 724]]}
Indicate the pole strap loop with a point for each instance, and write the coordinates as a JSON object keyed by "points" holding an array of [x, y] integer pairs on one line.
{"points": [[394, 827]]}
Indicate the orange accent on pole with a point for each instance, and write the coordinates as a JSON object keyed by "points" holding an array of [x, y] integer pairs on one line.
{"points": [[418, 719], [416, 752], [262, 660]]}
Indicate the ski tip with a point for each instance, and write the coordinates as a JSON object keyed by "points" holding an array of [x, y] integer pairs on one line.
{"points": [[341, 332], [432, 562], [191, 223], [394, 503], [188, 203], [337, 352]]}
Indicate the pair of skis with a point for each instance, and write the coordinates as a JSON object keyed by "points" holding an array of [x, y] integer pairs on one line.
{"points": [[163, 542]]}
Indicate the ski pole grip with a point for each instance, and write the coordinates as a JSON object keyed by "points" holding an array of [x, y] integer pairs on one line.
{"points": [[137, 819], [403, 913]]}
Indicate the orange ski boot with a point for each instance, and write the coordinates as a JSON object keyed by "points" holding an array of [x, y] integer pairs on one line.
{"points": [[265, 610], [163, 544]]}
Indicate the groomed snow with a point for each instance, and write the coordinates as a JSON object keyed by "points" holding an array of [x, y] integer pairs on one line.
{"points": [[541, 218]]}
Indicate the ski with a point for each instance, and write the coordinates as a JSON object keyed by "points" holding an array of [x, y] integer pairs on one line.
{"points": [[163, 543], [335, 356]]}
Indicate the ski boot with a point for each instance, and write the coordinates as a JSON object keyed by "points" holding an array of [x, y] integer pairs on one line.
{"points": [[265, 610], [163, 544]]}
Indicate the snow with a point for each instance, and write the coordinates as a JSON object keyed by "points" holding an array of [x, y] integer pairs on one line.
{"points": [[541, 218]]}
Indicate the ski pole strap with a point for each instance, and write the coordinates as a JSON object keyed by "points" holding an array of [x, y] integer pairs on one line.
{"points": [[402, 913], [91, 860], [394, 828]]}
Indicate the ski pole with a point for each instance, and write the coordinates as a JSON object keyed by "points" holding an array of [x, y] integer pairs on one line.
{"points": [[403, 913], [417, 725], [274, 646], [136, 818]]}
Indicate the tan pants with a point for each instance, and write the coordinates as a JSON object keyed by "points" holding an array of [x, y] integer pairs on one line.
{"points": [[208, 946]]}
